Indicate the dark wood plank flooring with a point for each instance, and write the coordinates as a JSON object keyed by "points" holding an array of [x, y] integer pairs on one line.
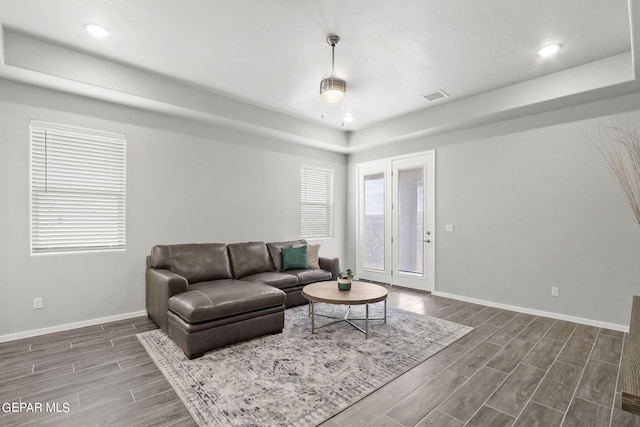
{"points": [[514, 369]]}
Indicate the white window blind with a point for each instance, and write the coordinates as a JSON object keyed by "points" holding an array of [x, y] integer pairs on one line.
{"points": [[77, 189], [316, 202]]}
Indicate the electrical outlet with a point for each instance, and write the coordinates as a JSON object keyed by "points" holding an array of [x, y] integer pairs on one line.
{"points": [[555, 291], [37, 303], [448, 228]]}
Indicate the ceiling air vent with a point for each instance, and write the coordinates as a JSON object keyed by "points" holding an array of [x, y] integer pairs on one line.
{"points": [[435, 95]]}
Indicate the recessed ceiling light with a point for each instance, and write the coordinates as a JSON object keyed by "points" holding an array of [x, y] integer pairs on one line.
{"points": [[348, 118], [97, 31], [552, 49]]}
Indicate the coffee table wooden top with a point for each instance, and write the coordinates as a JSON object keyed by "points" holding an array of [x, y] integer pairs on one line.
{"points": [[360, 293]]}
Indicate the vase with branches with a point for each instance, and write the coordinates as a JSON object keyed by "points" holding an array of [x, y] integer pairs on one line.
{"points": [[620, 145]]}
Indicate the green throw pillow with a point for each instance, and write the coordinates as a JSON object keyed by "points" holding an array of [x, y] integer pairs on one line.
{"points": [[294, 258]]}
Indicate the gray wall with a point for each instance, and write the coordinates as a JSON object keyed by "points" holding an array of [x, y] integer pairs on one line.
{"points": [[534, 205], [186, 182]]}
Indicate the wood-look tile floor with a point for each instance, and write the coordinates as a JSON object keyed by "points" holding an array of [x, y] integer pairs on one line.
{"points": [[514, 369]]}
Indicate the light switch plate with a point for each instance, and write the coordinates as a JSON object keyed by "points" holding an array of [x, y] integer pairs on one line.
{"points": [[448, 228]]}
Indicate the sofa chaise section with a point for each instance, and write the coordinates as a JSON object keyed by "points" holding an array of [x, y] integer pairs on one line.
{"points": [[228, 311]]}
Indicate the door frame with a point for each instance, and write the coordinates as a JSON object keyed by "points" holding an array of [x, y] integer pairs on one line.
{"points": [[386, 165]]}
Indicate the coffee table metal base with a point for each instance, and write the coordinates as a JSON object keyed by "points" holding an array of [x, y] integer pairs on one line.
{"points": [[346, 318]]}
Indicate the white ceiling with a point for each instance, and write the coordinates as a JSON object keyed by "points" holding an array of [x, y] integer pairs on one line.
{"points": [[273, 54]]}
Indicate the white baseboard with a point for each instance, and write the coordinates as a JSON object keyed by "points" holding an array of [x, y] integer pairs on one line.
{"points": [[590, 322], [69, 326]]}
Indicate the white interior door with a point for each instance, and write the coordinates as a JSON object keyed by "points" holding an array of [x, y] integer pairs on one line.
{"points": [[396, 208], [413, 211]]}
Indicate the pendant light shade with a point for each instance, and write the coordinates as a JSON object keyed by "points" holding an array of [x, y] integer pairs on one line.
{"points": [[333, 89]]}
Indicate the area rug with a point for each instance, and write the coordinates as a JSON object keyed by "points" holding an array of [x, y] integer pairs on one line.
{"points": [[297, 378]]}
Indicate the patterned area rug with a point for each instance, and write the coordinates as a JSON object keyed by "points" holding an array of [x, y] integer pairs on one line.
{"points": [[297, 378]]}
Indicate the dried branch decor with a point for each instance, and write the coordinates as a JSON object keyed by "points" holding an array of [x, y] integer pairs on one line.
{"points": [[620, 145]]}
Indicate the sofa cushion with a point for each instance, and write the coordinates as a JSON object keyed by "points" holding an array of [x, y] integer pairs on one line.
{"points": [[196, 262], [294, 258], [249, 258], [309, 276], [223, 300], [313, 260], [274, 278], [275, 249]]}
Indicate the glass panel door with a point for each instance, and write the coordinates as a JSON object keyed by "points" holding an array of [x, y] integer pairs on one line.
{"points": [[411, 221], [395, 221], [374, 222]]}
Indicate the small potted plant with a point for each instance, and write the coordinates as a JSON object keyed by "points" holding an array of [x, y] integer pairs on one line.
{"points": [[344, 280]]}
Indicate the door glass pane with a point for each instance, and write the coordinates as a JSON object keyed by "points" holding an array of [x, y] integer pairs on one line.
{"points": [[411, 221], [374, 222]]}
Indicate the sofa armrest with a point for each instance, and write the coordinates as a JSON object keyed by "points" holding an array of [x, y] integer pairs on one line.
{"points": [[332, 265], [160, 286]]}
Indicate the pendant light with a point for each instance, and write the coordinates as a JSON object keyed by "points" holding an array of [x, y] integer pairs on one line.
{"points": [[333, 89]]}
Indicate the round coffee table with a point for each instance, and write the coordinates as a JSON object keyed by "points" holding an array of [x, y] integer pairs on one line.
{"points": [[361, 293]]}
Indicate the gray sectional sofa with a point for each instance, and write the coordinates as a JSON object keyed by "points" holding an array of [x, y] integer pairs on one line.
{"points": [[208, 295]]}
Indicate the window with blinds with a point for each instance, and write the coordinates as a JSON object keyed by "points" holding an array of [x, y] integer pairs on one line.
{"points": [[77, 189], [316, 202]]}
